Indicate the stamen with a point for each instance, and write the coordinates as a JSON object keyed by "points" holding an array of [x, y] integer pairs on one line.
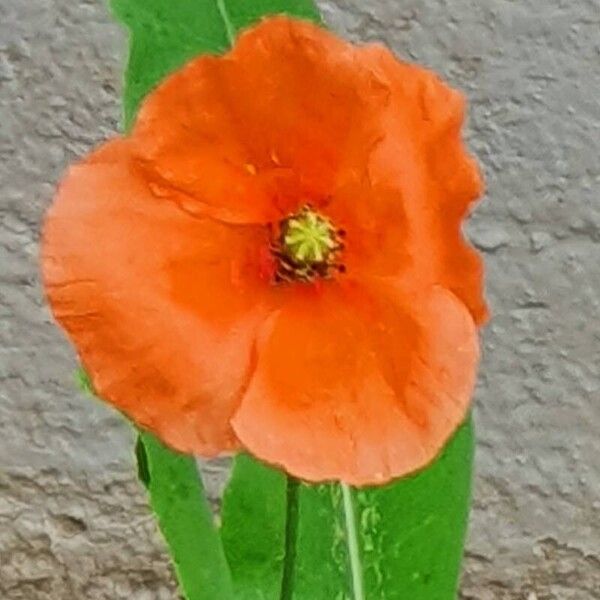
{"points": [[308, 247]]}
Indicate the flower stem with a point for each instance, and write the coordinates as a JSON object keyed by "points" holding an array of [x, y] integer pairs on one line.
{"points": [[352, 540], [291, 533]]}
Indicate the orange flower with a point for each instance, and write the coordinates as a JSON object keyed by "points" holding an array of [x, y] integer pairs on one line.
{"points": [[272, 259]]}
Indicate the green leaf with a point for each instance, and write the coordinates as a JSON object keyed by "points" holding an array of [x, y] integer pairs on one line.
{"points": [[165, 34], [84, 382], [412, 532], [254, 519], [400, 541], [185, 518], [243, 13], [322, 561]]}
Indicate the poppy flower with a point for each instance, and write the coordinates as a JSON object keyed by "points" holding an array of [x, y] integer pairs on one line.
{"points": [[272, 259]]}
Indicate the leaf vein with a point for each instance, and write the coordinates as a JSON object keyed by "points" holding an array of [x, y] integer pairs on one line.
{"points": [[229, 28], [352, 540]]}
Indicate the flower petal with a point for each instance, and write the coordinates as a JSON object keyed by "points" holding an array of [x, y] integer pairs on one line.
{"points": [[360, 385], [187, 139], [314, 108], [264, 129], [162, 306], [377, 230], [422, 156]]}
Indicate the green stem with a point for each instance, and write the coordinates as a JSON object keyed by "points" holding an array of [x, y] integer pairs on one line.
{"points": [[352, 539], [291, 532]]}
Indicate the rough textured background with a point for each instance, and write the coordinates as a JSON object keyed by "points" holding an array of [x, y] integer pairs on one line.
{"points": [[73, 519]]}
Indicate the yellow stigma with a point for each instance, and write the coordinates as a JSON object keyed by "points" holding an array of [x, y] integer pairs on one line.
{"points": [[308, 238], [307, 247]]}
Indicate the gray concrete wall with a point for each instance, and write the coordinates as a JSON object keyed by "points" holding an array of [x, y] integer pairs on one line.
{"points": [[73, 519]]}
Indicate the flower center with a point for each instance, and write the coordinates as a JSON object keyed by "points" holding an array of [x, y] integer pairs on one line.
{"points": [[308, 247]]}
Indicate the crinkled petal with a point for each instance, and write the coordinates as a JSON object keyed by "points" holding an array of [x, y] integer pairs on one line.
{"points": [[162, 305], [266, 128], [422, 156], [359, 384], [187, 140]]}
